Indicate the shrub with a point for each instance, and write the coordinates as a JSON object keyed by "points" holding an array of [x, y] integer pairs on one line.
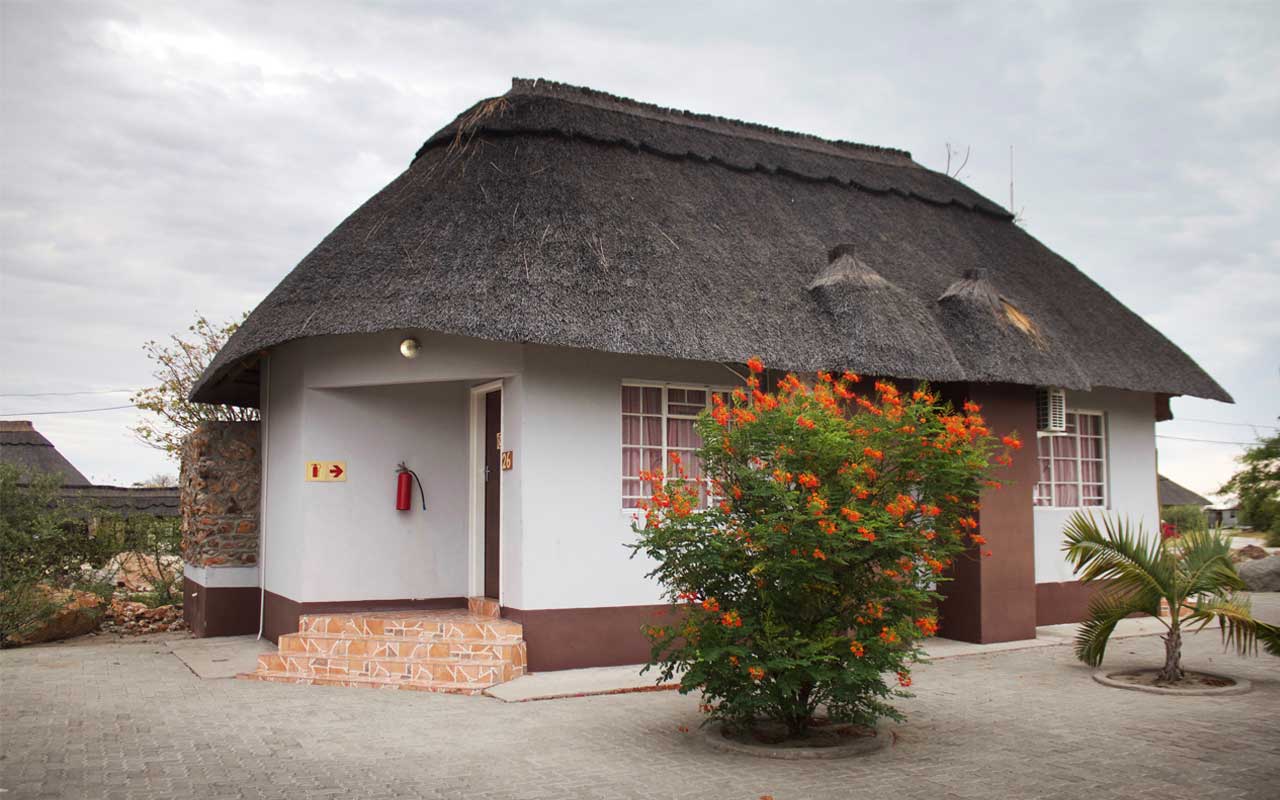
{"points": [[150, 546], [811, 574], [44, 545], [1187, 519]]}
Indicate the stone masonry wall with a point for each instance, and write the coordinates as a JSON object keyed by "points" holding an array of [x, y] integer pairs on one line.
{"points": [[220, 483]]}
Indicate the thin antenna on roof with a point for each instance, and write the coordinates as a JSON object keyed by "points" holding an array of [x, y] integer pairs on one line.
{"points": [[1011, 178]]}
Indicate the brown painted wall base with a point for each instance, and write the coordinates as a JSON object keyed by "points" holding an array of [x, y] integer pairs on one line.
{"points": [[993, 598], [570, 638], [280, 614], [1058, 603], [219, 611]]}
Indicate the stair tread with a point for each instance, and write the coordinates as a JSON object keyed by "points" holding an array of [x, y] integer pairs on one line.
{"points": [[463, 660], [293, 677], [510, 639]]}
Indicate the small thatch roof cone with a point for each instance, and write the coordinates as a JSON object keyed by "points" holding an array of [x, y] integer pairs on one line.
{"points": [[892, 331], [985, 328], [26, 448]]}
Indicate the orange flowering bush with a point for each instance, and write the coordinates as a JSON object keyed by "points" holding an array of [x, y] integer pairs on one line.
{"points": [[811, 573]]}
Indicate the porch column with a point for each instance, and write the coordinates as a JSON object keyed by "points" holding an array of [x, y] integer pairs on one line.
{"points": [[993, 599], [219, 487]]}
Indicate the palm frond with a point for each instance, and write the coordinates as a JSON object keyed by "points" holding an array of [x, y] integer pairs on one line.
{"points": [[1106, 609], [1239, 629], [1204, 564], [1118, 552]]}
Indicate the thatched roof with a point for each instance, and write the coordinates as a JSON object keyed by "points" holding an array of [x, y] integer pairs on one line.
{"points": [[1174, 494], [563, 216], [25, 448], [152, 501]]}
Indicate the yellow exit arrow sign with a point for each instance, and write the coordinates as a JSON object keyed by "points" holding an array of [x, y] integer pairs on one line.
{"points": [[326, 471]]}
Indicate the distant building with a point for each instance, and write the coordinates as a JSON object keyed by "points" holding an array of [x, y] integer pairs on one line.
{"points": [[1226, 516], [26, 448], [1175, 494]]}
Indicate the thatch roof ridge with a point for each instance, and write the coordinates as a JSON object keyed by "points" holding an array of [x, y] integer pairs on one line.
{"points": [[541, 220], [557, 110], [588, 96]]}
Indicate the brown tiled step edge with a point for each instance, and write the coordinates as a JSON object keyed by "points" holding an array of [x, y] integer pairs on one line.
{"points": [[426, 628], [482, 673], [484, 607], [372, 683], [333, 646]]}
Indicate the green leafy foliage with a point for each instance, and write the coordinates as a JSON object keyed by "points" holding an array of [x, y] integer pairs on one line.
{"points": [[1186, 519], [1192, 575], [44, 545], [1257, 485], [802, 549]]}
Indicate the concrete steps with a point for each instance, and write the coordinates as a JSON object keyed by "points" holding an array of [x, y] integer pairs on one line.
{"points": [[449, 651]]}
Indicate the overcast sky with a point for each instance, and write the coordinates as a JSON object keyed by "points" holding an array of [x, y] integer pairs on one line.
{"points": [[161, 159]]}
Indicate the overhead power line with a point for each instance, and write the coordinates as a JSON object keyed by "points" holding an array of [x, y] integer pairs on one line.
{"points": [[68, 394], [70, 411], [1219, 422], [1208, 441]]}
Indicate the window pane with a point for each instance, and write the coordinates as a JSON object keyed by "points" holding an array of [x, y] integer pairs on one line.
{"points": [[652, 459], [1066, 494], [675, 396], [631, 462], [1045, 473], [688, 459], [1091, 471], [630, 430], [1064, 470], [1090, 424], [1071, 423], [1090, 448], [652, 400], [653, 431], [680, 433], [696, 397], [1064, 446], [685, 411], [631, 399]]}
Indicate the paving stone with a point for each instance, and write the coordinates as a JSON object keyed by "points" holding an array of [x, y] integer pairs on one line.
{"points": [[122, 720]]}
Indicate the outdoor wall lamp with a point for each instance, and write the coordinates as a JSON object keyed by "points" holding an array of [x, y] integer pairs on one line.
{"points": [[410, 348]]}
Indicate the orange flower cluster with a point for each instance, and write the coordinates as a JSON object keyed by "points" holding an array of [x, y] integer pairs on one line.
{"points": [[888, 636], [756, 673], [927, 625], [731, 619], [857, 649], [808, 480], [900, 506], [904, 679]]}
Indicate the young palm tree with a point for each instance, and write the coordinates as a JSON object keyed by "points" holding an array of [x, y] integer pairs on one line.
{"points": [[1192, 572]]}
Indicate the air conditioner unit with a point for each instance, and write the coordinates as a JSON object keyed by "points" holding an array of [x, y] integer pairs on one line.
{"points": [[1051, 410]]}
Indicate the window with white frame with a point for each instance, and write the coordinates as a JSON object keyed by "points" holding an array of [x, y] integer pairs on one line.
{"points": [[1073, 465], [657, 422]]}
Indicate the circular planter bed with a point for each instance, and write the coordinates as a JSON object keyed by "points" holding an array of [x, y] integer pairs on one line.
{"points": [[1193, 683], [824, 740]]}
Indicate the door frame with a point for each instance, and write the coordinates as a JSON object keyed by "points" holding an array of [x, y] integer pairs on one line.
{"points": [[475, 486]]}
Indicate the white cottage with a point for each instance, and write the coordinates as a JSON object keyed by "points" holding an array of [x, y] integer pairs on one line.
{"points": [[541, 303]]}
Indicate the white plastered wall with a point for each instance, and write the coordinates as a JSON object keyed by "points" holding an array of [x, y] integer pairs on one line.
{"points": [[356, 399], [1131, 475], [574, 531]]}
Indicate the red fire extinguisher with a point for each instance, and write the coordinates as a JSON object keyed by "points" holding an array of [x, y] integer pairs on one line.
{"points": [[404, 488]]}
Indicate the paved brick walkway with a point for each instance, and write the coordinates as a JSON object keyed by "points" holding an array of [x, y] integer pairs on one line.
{"points": [[108, 720]]}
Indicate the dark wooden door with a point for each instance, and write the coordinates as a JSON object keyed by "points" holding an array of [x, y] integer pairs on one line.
{"points": [[492, 488]]}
